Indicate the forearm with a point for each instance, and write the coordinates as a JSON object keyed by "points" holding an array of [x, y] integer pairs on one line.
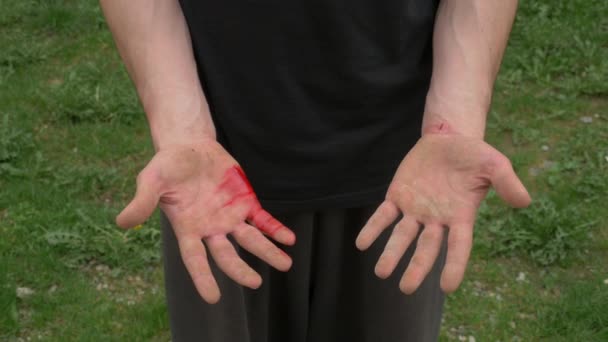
{"points": [[468, 44], [154, 43]]}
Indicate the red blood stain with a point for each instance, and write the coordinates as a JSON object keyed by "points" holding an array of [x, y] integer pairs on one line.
{"points": [[237, 185]]}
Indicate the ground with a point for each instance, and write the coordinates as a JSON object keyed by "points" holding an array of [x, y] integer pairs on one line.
{"points": [[73, 137]]}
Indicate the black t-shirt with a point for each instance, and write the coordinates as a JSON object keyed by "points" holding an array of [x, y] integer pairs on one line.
{"points": [[318, 100]]}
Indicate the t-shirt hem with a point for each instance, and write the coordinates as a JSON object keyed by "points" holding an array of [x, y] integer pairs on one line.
{"points": [[367, 197]]}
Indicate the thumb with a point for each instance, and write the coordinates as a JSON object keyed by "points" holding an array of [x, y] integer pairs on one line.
{"points": [[508, 186], [143, 203]]}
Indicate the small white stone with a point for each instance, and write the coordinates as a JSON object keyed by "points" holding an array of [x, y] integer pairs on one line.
{"points": [[471, 338], [533, 172], [521, 277], [544, 148], [101, 286], [524, 316], [606, 281], [586, 119], [462, 338], [547, 164], [512, 325], [606, 157], [23, 292], [102, 268]]}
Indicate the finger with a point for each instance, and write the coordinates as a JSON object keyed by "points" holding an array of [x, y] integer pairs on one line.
{"points": [[272, 227], [386, 214], [508, 186], [460, 242], [427, 250], [255, 242], [402, 236], [195, 259], [230, 262], [143, 203]]}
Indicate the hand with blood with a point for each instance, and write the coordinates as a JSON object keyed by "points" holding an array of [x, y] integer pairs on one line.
{"points": [[439, 185], [206, 196]]}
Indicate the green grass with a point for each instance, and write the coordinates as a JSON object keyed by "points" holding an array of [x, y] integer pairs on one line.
{"points": [[73, 137], [554, 74]]}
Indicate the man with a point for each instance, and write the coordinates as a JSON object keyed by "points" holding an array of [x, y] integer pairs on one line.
{"points": [[331, 109]]}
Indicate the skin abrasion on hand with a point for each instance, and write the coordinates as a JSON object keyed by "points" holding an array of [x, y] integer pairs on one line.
{"points": [[437, 126]]}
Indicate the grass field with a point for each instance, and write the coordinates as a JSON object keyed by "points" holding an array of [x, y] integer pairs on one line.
{"points": [[73, 137]]}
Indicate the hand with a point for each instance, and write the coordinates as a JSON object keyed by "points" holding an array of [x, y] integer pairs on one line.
{"points": [[440, 183], [206, 196]]}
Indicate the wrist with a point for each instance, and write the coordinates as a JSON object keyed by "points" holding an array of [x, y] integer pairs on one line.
{"points": [[433, 123], [169, 130], [176, 115], [452, 117], [181, 137]]}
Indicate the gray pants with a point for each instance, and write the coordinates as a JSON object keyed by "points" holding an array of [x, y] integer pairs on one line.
{"points": [[330, 293]]}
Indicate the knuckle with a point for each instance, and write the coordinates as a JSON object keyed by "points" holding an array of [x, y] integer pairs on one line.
{"points": [[387, 255], [418, 261], [453, 244], [190, 248], [248, 237], [240, 233], [499, 162], [273, 254], [143, 176], [230, 265], [223, 257], [193, 265], [433, 234], [147, 177], [400, 232], [380, 215], [385, 210]]}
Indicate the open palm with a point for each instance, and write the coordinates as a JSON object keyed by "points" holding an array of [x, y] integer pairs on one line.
{"points": [[206, 196], [440, 183]]}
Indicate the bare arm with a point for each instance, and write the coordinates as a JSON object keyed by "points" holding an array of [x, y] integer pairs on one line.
{"points": [[154, 42], [193, 179], [468, 44], [442, 180]]}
